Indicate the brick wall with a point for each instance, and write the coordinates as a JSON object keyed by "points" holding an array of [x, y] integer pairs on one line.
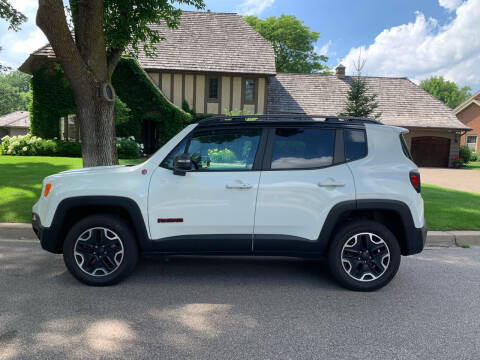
{"points": [[470, 116]]}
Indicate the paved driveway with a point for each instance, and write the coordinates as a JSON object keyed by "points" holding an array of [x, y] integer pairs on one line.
{"points": [[238, 308], [458, 179]]}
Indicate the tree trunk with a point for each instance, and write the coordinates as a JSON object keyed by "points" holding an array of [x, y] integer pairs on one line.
{"points": [[97, 131], [84, 62]]}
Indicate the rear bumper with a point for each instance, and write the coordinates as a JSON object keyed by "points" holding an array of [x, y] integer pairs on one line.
{"points": [[48, 238], [415, 241]]}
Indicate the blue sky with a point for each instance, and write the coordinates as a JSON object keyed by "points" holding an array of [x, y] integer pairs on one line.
{"points": [[408, 38]]}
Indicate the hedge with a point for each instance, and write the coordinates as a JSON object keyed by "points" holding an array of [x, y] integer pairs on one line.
{"points": [[30, 145]]}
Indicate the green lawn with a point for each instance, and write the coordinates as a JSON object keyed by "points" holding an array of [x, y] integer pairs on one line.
{"points": [[447, 209], [21, 177], [475, 165], [21, 182]]}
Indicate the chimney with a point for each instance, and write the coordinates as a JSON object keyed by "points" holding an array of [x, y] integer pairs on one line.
{"points": [[340, 71]]}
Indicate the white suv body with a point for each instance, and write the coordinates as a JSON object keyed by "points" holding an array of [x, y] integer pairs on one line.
{"points": [[231, 186]]}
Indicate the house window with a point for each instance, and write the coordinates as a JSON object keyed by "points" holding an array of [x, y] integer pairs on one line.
{"points": [[213, 88], [69, 130], [472, 142], [249, 90]]}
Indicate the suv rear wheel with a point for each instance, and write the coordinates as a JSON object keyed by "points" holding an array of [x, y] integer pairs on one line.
{"points": [[100, 250], [364, 256]]}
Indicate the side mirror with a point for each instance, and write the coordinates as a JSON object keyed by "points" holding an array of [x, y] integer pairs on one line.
{"points": [[182, 163]]}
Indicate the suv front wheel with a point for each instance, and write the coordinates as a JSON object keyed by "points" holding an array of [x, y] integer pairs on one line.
{"points": [[100, 250], [364, 256]]}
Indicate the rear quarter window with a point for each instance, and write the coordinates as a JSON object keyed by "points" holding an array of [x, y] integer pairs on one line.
{"points": [[355, 144], [405, 147]]}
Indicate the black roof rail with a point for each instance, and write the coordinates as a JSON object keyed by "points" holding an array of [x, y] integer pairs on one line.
{"points": [[287, 117]]}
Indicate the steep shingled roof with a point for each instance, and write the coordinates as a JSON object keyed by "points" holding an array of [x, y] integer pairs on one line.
{"points": [[401, 102], [16, 119], [207, 42]]}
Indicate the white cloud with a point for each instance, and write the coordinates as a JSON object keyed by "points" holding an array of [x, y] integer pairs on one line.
{"points": [[254, 7], [323, 50], [423, 48], [16, 46], [450, 4]]}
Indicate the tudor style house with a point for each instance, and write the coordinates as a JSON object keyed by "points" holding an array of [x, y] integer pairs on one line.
{"points": [[218, 64], [469, 114]]}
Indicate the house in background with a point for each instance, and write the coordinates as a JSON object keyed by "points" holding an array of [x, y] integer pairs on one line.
{"points": [[434, 131], [15, 123], [469, 114], [217, 63]]}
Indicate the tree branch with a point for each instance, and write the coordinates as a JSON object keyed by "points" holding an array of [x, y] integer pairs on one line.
{"points": [[87, 17], [52, 21], [112, 60]]}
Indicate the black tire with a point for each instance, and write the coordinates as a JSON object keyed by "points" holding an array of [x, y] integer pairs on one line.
{"points": [[124, 241], [348, 273]]}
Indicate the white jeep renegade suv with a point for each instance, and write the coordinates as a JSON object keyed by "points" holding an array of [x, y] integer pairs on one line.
{"points": [[259, 185]]}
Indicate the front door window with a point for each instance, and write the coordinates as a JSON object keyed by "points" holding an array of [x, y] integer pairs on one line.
{"points": [[224, 150]]}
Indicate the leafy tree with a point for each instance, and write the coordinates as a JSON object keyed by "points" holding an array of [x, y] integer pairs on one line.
{"points": [[14, 92], [359, 102], [11, 99], [293, 43], [446, 91], [17, 79], [103, 31], [14, 18]]}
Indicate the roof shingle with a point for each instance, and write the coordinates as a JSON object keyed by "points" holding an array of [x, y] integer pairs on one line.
{"points": [[16, 119], [401, 102], [207, 42]]}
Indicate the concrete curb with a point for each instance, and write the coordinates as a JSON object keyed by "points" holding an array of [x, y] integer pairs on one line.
{"points": [[434, 238], [16, 231]]}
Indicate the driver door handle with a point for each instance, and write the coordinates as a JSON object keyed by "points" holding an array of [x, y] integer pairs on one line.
{"points": [[238, 186], [330, 184]]}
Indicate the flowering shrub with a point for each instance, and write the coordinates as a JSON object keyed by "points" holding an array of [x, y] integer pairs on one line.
{"points": [[128, 148], [29, 145], [222, 156]]}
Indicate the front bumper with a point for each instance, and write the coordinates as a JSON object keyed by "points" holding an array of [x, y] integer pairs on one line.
{"points": [[47, 236]]}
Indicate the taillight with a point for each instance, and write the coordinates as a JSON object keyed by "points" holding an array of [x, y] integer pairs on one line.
{"points": [[415, 180]]}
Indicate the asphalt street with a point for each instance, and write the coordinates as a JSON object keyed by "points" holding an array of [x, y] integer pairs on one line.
{"points": [[238, 308]]}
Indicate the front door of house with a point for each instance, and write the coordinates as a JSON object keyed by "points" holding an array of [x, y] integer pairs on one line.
{"points": [[149, 136]]}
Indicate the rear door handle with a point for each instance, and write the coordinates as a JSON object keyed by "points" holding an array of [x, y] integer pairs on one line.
{"points": [[238, 186], [330, 184]]}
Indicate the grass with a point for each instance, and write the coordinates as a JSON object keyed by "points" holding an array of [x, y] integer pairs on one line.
{"points": [[21, 182], [474, 165], [21, 177], [447, 209]]}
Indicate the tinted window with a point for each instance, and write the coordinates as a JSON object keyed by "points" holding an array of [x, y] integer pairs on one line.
{"points": [[302, 148], [355, 144], [225, 150]]}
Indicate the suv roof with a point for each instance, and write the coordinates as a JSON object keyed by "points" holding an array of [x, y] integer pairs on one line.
{"points": [[284, 119]]}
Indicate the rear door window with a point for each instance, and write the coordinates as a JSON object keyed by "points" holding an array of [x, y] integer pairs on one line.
{"points": [[302, 148]]}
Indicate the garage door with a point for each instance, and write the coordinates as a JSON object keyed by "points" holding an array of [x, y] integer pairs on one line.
{"points": [[432, 151]]}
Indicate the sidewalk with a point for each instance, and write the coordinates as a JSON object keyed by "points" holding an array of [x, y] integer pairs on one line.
{"points": [[434, 238]]}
